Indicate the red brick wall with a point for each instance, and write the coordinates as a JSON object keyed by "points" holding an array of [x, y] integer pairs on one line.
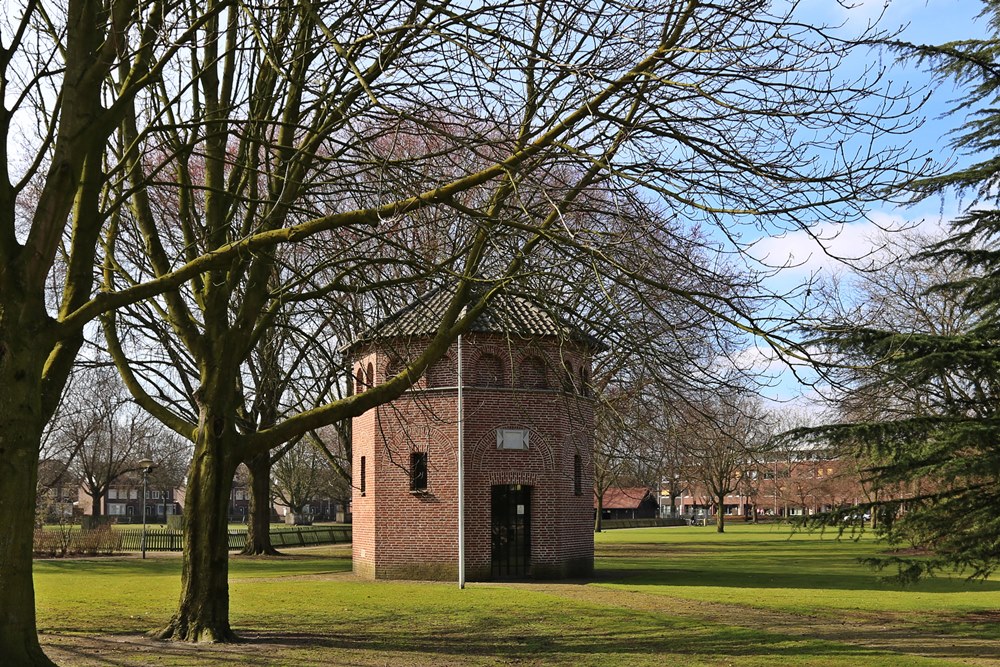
{"points": [[399, 533], [363, 506]]}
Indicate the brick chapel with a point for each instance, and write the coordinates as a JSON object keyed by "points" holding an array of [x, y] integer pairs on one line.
{"points": [[528, 430]]}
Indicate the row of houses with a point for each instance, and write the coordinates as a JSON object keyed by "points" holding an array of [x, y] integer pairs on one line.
{"points": [[800, 487], [123, 503], [790, 489]]}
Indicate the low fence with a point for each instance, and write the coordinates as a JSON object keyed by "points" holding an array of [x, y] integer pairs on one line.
{"points": [[611, 524], [130, 539], [173, 540], [71, 542]]}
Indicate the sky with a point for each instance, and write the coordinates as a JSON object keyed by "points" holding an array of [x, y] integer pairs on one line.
{"points": [[920, 21]]}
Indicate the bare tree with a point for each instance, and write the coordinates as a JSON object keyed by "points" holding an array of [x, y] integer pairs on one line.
{"points": [[103, 431], [279, 122], [171, 456], [894, 291], [724, 436], [301, 476]]}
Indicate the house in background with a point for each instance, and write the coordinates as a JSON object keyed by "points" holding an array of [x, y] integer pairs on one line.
{"points": [[628, 503], [801, 483], [123, 504], [320, 508], [58, 491]]}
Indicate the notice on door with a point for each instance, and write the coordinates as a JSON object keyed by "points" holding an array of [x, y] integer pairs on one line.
{"points": [[520, 509]]}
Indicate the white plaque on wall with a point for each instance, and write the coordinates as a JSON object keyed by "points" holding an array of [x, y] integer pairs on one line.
{"points": [[512, 438]]}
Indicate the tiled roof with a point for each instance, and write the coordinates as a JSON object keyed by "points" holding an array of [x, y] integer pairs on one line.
{"points": [[626, 499], [510, 314]]}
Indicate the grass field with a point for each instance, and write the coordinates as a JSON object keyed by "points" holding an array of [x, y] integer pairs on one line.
{"points": [[661, 596]]}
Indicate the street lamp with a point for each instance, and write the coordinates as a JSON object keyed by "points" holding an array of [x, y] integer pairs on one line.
{"points": [[147, 466]]}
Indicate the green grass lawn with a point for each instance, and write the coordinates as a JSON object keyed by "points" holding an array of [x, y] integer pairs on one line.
{"points": [[772, 567], [686, 596]]}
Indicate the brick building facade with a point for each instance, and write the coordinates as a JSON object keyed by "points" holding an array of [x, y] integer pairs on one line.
{"points": [[528, 438]]}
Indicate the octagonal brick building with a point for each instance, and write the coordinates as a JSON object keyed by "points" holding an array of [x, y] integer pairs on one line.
{"points": [[528, 437]]}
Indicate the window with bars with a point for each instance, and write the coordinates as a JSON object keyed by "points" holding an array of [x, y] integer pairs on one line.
{"points": [[418, 471]]}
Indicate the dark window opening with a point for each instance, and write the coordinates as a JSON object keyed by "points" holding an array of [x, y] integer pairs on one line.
{"points": [[533, 374], [577, 475], [569, 384], [418, 471], [440, 373], [489, 371], [361, 484]]}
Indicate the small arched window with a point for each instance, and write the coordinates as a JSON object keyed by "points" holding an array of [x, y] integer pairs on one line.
{"points": [[533, 374], [584, 381], [489, 371], [359, 381], [370, 375], [393, 367], [569, 381]]}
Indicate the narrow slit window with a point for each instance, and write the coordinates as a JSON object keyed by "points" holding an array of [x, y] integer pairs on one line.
{"points": [[569, 383], [418, 471], [361, 483], [577, 475]]}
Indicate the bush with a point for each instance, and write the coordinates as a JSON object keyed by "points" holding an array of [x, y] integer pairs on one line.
{"points": [[55, 542], [64, 540]]}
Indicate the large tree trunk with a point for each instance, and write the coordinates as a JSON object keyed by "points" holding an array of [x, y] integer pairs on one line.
{"points": [[96, 504], [20, 435], [259, 518], [203, 612]]}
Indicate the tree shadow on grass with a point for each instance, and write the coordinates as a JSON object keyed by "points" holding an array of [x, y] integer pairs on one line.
{"points": [[808, 570], [277, 648], [593, 635]]}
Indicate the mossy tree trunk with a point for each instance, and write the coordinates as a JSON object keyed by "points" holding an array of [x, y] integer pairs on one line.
{"points": [[259, 517], [203, 611], [21, 426]]}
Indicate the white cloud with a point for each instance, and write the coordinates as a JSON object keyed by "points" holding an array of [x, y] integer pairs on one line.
{"points": [[828, 247]]}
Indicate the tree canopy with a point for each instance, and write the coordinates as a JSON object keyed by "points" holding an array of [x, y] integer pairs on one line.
{"points": [[229, 163], [927, 375]]}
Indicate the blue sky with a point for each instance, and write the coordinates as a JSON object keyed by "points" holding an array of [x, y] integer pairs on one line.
{"points": [[921, 21]]}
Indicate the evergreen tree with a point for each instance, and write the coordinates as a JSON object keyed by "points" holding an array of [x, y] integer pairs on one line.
{"points": [[935, 442]]}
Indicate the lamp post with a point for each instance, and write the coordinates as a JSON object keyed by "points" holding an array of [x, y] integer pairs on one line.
{"points": [[147, 466]]}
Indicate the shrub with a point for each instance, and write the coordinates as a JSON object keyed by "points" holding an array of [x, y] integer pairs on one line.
{"points": [[63, 540]]}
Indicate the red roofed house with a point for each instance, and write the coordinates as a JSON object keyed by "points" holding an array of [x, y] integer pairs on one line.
{"points": [[628, 503]]}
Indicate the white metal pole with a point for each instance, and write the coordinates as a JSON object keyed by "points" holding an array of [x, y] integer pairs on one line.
{"points": [[461, 474], [145, 472]]}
